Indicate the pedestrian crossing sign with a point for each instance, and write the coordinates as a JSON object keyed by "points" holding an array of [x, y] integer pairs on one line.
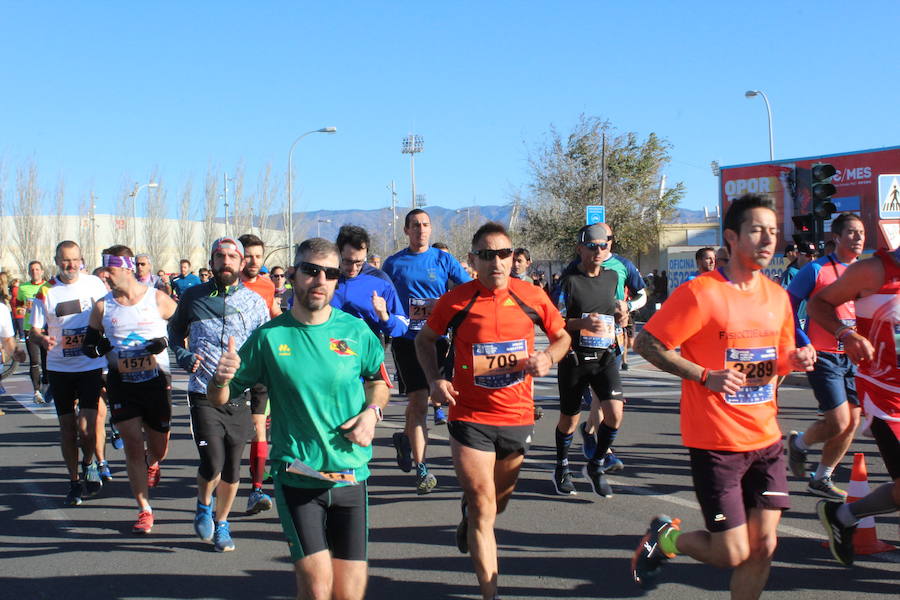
{"points": [[889, 196]]}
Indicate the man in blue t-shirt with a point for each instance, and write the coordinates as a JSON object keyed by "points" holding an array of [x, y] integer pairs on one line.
{"points": [[186, 279], [421, 275]]}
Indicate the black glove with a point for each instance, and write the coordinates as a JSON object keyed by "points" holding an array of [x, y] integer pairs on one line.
{"points": [[95, 344], [157, 345]]}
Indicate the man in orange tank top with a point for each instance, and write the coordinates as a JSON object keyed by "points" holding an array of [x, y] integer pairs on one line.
{"points": [[736, 333]]}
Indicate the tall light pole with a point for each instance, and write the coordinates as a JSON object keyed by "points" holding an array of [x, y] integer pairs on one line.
{"points": [[319, 226], [290, 215], [134, 194], [750, 94], [412, 144]]}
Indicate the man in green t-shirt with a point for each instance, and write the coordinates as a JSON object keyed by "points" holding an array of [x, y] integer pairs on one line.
{"points": [[327, 387], [37, 355]]}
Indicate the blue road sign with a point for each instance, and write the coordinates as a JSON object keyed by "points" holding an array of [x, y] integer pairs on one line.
{"points": [[594, 214]]}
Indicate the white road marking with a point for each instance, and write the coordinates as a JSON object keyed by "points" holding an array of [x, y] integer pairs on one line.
{"points": [[41, 411]]}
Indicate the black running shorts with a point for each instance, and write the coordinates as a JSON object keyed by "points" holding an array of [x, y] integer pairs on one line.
{"points": [[504, 440], [576, 372], [412, 378], [66, 388], [315, 519], [149, 400]]}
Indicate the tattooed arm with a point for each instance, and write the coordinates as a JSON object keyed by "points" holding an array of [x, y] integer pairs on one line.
{"points": [[670, 361]]}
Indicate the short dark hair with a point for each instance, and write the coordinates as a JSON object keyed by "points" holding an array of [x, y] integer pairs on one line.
{"points": [[316, 245], [248, 239], [412, 213], [735, 214], [64, 245], [440, 246], [699, 253], [841, 221], [276, 267], [184, 260], [354, 235], [523, 252], [489, 228], [203, 270], [118, 250]]}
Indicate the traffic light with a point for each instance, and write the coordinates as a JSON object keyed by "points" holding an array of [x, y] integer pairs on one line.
{"points": [[821, 190], [804, 229]]}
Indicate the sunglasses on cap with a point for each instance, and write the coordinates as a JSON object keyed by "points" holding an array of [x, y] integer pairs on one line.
{"points": [[595, 245], [503, 253], [313, 270]]}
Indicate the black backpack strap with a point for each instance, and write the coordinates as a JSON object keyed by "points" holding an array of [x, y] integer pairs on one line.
{"points": [[529, 312], [452, 326]]}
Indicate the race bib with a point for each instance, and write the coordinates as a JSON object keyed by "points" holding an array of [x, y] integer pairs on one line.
{"points": [[758, 365], [499, 364], [419, 311], [72, 339], [137, 365], [848, 323], [603, 340]]}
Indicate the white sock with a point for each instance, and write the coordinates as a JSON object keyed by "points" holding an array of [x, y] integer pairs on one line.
{"points": [[845, 516], [146, 509], [799, 444], [822, 472]]}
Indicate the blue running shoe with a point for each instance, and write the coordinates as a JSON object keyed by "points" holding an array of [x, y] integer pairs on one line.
{"points": [[258, 502], [222, 537], [204, 526], [612, 463], [91, 476], [103, 469], [588, 442], [440, 417]]}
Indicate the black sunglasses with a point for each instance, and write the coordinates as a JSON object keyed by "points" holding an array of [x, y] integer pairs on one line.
{"points": [[313, 270], [595, 245], [503, 253], [278, 275]]}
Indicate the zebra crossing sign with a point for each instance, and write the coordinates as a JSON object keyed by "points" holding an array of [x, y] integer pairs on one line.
{"points": [[889, 196]]}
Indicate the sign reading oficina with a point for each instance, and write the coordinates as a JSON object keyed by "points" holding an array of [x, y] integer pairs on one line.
{"points": [[594, 213]]}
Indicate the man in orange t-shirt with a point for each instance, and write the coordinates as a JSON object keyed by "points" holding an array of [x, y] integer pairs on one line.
{"points": [[254, 253], [736, 332], [491, 322]]}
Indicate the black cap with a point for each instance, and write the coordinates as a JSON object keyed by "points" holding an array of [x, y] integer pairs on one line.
{"points": [[790, 248], [595, 231], [807, 248]]}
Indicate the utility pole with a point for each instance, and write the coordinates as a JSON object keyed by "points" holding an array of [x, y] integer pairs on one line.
{"points": [[393, 189], [412, 144], [603, 169]]}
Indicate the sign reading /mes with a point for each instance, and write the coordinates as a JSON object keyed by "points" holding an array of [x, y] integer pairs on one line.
{"points": [[889, 196], [594, 213]]}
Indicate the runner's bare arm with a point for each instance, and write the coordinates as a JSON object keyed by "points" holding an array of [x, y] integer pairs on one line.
{"points": [[442, 391], [360, 429], [166, 305], [539, 363], [654, 352]]}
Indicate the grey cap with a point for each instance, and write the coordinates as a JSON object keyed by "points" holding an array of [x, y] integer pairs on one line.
{"points": [[595, 231]]}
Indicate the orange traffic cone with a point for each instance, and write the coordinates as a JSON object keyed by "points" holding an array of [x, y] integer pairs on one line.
{"points": [[865, 540]]}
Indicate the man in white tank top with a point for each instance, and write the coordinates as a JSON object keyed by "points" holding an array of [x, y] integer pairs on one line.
{"points": [[64, 306], [133, 317]]}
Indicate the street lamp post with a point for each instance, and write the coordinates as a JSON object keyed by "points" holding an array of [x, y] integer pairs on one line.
{"points": [[290, 215], [134, 194], [319, 226], [750, 94], [412, 144]]}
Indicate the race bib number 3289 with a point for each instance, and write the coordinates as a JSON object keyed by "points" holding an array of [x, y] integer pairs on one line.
{"points": [[759, 367], [499, 364]]}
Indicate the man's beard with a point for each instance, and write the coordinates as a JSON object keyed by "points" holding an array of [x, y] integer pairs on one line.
{"points": [[225, 276], [302, 297]]}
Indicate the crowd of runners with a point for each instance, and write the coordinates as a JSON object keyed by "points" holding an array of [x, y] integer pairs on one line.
{"points": [[292, 359]]}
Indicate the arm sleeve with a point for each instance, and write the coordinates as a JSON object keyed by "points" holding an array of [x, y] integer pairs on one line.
{"points": [[397, 322], [678, 319], [640, 299], [633, 281], [799, 291], [178, 330]]}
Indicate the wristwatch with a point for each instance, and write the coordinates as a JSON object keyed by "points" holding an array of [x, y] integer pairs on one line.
{"points": [[379, 414]]}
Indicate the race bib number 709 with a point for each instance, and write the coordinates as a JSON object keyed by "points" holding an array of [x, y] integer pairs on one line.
{"points": [[499, 364]]}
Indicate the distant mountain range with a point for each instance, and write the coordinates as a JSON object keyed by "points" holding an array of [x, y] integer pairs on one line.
{"points": [[378, 221]]}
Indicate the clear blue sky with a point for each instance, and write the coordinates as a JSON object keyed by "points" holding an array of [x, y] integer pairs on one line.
{"points": [[102, 93]]}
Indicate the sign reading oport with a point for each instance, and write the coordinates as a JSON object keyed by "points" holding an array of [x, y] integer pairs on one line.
{"points": [[857, 182]]}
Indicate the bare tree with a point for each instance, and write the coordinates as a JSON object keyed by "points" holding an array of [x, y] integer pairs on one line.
{"points": [[185, 232], [243, 206], [28, 236], [156, 233], [210, 205], [265, 194], [57, 229]]}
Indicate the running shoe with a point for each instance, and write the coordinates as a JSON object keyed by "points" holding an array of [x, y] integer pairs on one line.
{"points": [[840, 537], [440, 417], [425, 482], [73, 498], [103, 469], [624, 366], [825, 488], [258, 502], [796, 456], [649, 558], [588, 442], [562, 481], [144, 523], [204, 526], [612, 463], [462, 530], [153, 475], [597, 479], [91, 476], [222, 537], [117, 442], [404, 451], [538, 413], [38, 398]]}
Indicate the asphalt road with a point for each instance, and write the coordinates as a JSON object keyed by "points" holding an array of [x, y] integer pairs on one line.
{"points": [[550, 546]]}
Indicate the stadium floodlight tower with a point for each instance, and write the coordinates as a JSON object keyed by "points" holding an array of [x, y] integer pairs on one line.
{"points": [[411, 145]]}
